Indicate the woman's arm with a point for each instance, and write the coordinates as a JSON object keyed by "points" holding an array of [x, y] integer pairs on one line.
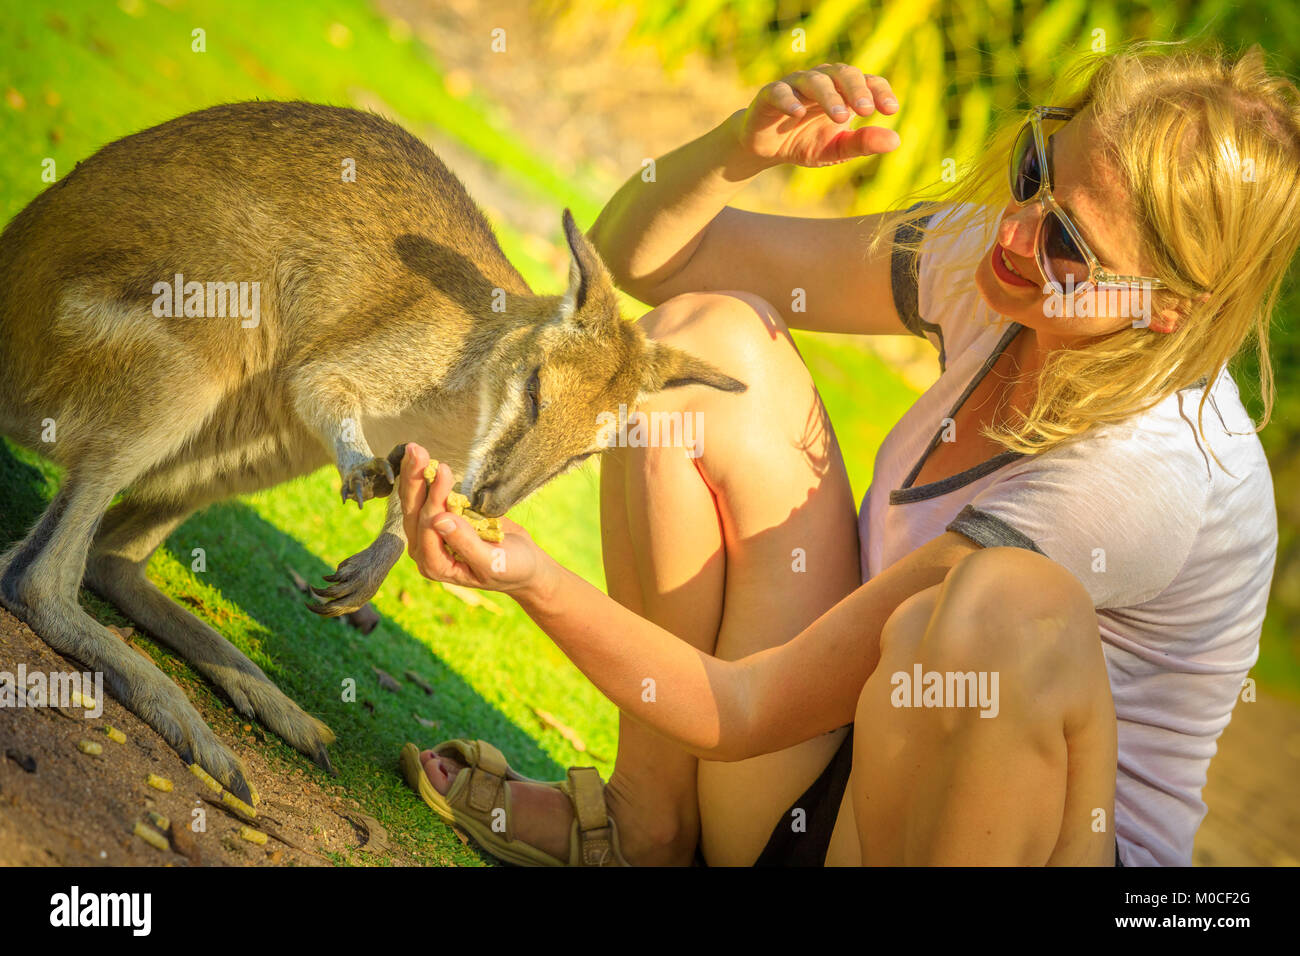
{"points": [[732, 710], [718, 710], [677, 234]]}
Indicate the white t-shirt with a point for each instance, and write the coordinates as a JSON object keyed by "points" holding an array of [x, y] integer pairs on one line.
{"points": [[1177, 554]]}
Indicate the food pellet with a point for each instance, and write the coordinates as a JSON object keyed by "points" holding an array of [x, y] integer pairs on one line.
{"points": [[159, 783], [84, 701], [253, 836], [151, 836], [252, 792], [90, 747], [431, 471], [239, 806], [160, 821], [115, 735], [207, 779], [489, 529]]}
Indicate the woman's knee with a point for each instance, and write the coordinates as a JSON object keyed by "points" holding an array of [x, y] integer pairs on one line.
{"points": [[738, 331], [1007, 611], [900, 637], [687, 314], [744, 336]]}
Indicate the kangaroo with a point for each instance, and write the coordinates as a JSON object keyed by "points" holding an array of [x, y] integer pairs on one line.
{"points": [[361, 300]]}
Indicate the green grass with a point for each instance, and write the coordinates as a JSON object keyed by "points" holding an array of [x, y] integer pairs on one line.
{"points": [[93, 72]]}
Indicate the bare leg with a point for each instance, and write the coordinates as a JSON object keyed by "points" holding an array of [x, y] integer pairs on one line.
{"points": [[662, 544], [736, 550], [1036, 783]]}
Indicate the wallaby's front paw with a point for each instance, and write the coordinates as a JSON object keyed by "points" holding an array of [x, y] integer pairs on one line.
{"points": [[368, 479], [358, 578]]}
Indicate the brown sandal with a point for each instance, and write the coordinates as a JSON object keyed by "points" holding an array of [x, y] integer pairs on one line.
{"points": [[479, 803]]}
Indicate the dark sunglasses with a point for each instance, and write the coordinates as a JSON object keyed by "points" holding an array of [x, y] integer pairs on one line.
{"points": [[1059, 246]]}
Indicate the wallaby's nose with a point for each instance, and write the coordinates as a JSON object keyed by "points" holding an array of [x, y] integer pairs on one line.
{"points": [[482, 499]]}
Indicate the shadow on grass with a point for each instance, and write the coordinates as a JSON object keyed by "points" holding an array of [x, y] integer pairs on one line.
{"points": [[310, 658]]}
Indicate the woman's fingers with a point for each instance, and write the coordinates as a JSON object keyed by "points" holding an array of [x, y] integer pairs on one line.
{"points": [[839, 89], [412, 488], [780, 97], [431, 529], [852, 86], [422, 504], [819, 88], [864, 141], [883, 94], [457, 532]]}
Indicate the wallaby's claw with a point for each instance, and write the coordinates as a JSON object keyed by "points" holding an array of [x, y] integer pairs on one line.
{"points": [[395, 459], [195, 743], [370, 479], [327, 610], [331, 592], [334, 599], [322, 759], [239, 787]]}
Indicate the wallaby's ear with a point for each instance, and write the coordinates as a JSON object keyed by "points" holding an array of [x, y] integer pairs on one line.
{"points": [[586, 270], [668, 367]]}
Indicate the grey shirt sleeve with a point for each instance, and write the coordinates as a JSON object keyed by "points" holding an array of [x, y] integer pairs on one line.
{"points": [[989, 531], [903, 275]]}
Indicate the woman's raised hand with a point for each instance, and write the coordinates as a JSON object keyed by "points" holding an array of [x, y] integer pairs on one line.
{"points": [[803, 118], [515, 564]]}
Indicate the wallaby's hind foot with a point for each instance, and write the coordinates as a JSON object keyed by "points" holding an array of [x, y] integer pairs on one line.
{"points": [[115, 570], [243, 683], [132, 679], [40, 584]]}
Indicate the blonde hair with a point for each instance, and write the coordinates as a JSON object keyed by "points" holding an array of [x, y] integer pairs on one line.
{"points": [[1208, 148]]}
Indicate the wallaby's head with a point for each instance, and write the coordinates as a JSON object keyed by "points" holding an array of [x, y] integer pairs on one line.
{"points": [[548, 397]]}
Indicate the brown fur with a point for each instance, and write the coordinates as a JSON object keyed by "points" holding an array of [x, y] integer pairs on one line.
{"points": [[376, 327]]}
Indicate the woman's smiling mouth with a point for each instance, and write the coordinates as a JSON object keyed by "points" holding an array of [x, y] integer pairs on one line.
{"points": [[1005, 270]]}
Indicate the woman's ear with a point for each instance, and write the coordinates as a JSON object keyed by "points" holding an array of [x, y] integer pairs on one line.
{"points": [[1168, 320]]}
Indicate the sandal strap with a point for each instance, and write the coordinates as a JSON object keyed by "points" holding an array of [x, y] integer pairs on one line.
{"points": [[487, 778], [491, 759], [595, 832]]}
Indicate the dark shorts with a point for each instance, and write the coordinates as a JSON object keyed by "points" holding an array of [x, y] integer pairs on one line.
{"points": [[821, 805]]}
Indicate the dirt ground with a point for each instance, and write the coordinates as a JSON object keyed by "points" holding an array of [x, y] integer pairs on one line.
{"points": [[1254, 789], [59, 806]]}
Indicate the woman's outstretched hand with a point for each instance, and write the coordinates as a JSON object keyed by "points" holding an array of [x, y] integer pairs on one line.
{"points": [[516, 564], [803, 118]]}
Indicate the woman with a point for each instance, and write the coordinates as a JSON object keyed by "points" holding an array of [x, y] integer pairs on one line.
{"points": [[925, 685]]}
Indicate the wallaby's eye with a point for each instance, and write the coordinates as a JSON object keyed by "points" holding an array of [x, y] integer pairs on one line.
{"points": [[534, 389]]}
